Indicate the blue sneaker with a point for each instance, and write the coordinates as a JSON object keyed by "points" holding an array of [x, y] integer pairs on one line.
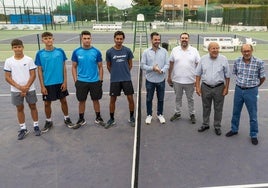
{"points": [[37, 131], [110, 123], [22, 134]]}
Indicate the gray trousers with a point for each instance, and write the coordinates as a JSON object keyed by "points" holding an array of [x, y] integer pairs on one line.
{"points": [[189, 91], [214, 95]]}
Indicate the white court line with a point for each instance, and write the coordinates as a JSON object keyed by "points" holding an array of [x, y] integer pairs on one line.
{"points": [[71, 39], [68, 60], [242, 186]]}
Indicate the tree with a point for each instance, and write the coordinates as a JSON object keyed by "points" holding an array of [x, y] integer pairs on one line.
{"points": [[86, 9], [149, 8], [89, 2], [147, 2]]}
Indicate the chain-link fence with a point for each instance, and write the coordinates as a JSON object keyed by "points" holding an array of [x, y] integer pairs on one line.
{"points": [[231, 14]]}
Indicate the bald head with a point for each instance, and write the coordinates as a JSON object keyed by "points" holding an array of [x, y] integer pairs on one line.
{"points": [[246, 50], [213, 45], [213, 49], [246, 46]]}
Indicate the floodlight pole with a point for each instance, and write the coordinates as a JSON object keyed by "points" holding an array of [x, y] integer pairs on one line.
{"points": [[183, 11], [71, 10], [97, 10], [14, 6], [206, 16], [108, 11], [173, 10], [46, 7], [24, 7]]}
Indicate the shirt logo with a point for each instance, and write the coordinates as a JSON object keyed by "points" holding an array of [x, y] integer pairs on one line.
{"points": [[119, 56]]}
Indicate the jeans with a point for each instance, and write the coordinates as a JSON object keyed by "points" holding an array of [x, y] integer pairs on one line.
{"points": [[160, 93], [249, 97]]}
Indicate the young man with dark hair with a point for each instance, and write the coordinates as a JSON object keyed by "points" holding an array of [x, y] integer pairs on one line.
{"points": [[87, 74], [20, 74], [53, 78], [119, 64]]}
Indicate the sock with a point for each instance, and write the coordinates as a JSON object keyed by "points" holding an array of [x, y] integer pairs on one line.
{"points": [[97, 114], [35, 123], [48, 119], [65, 117], [23, 126], [81, 116], [112, 115], [131, 113]]}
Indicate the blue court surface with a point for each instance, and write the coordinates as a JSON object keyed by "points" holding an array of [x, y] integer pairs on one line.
{"points": [[173, 155]]}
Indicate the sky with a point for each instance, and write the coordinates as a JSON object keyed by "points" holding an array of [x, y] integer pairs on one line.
{"points": [[121, 4]]}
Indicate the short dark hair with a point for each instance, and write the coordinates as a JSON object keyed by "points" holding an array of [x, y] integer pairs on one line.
{"points": [[119, 33], [47, 34], [16, 42], [85, 33], [184, 33], [154, 34]]}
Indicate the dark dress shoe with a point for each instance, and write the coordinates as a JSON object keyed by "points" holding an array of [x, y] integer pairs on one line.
{"points": [[231, 133], [218, 131], [203, 128], [254, 141]]}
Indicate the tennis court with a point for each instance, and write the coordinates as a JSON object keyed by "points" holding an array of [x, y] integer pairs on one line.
{"points": [[173, 155]]}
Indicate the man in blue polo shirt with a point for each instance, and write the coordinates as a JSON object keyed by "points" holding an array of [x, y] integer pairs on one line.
{"points": [[87, 73], [53, 78]]}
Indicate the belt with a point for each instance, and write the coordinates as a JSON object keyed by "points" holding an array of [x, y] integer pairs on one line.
{"points": [[217, 85], [244, 88]]}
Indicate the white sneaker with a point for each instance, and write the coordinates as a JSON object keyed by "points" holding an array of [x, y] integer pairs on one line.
{"points": [[161, 118], [148, 119]]}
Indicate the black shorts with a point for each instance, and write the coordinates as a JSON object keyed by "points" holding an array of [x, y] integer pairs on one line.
{"points": [[82, 89], [116, 87], [55, 93]]}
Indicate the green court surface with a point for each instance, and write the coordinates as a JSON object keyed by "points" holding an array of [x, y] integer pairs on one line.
{"points": [[31, 47]]}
